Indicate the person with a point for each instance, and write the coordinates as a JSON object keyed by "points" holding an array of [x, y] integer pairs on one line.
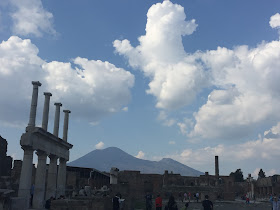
{"points": [[275, 203], [197, 196], [158, 202], [189, 195], [207, 204], [116, 202], [31, 195], [247, 199], [149, 204], [185, 196], [171, 205], [181, 196], [48, 203]]}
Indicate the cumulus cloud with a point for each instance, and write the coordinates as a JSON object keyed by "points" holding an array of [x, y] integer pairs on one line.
{"points": [[243, 81], [140, 155], [171, 142], [30, 18], [247, 93], [175, 80], [125, 109], [275, 21], [264, 151], [100, 145], [90, 89], [165, 119]]}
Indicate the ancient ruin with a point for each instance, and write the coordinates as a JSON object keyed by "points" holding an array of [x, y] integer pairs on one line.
{"points": [[88, 188], [46, 145]]}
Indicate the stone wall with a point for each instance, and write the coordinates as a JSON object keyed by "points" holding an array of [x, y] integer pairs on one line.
{"points": [[5, 161], [82, 204]]}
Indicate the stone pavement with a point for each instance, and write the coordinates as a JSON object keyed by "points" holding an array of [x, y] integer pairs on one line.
{"points": [[227, 205]]}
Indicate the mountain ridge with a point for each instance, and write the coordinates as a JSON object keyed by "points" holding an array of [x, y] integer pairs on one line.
{"points": [[104, 159]]}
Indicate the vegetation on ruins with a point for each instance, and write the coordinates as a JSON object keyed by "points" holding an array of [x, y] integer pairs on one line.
{"points": [[261, 174], [238, 175]]}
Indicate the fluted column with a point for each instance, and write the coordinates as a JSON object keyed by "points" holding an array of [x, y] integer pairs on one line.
{"points": [[33, 108], [46, 111], [52, 173], [56, 119], [61, 177], [40, 180], [65, 125], [26, 172]]}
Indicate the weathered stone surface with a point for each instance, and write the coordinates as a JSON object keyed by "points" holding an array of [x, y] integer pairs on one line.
{"points": [[5, 161]]}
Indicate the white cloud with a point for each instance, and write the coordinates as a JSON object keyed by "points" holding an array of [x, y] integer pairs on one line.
{"points": [[90, 89], [263, 151], [245, 82], [125, 109], [100, 145], [275, 21], [166, 121], [140, 155], [29, 17], [171, 142], [247, 93], [95, 123], [175, 80]]}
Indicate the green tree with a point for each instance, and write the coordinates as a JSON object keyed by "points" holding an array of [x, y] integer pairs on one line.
{"points": [[237, 175], [261, 174]]}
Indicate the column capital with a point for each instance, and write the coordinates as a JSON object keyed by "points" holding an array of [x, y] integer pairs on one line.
{"points": [[47, 94], [51, 156], [36, 83], [27, 148], [67, 111], [58, 104], [41, 153], [62, 160]]}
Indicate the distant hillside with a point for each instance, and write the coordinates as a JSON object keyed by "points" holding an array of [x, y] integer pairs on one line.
{"points": [[103, 160]]}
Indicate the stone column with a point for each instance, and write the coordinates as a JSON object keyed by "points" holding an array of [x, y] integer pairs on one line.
{"points": [[114, 175], [61, 177], [26, 173], [46, 111], [65, 126], [56, 119], [40, 180], [217, 166], [33, 109], [51, 184]]}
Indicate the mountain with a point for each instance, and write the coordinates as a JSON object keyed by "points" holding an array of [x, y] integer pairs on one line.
{"points": [[103, 160]]}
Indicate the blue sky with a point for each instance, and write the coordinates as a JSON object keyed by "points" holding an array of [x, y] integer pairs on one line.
{"points": [[182, 79]]}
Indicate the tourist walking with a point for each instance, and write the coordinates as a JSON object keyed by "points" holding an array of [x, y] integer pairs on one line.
{"points": [[185, 196], [171, 205], [116, 202], [197, 196], [207, 204], [158, 202], [275, 203], [149, 204]]}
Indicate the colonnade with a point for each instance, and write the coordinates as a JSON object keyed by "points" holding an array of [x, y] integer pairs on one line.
{"points": [[46, 145]]}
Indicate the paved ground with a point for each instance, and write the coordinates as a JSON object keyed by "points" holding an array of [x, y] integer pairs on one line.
{"points": [[230, 206]]}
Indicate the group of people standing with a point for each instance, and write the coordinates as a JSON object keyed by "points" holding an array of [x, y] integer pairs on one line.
{"points": [[172, 205]]}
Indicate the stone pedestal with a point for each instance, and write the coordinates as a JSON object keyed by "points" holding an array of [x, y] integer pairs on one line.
{"points": [[61, 177], [26, 173], [40, 179], [51, 183]]}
